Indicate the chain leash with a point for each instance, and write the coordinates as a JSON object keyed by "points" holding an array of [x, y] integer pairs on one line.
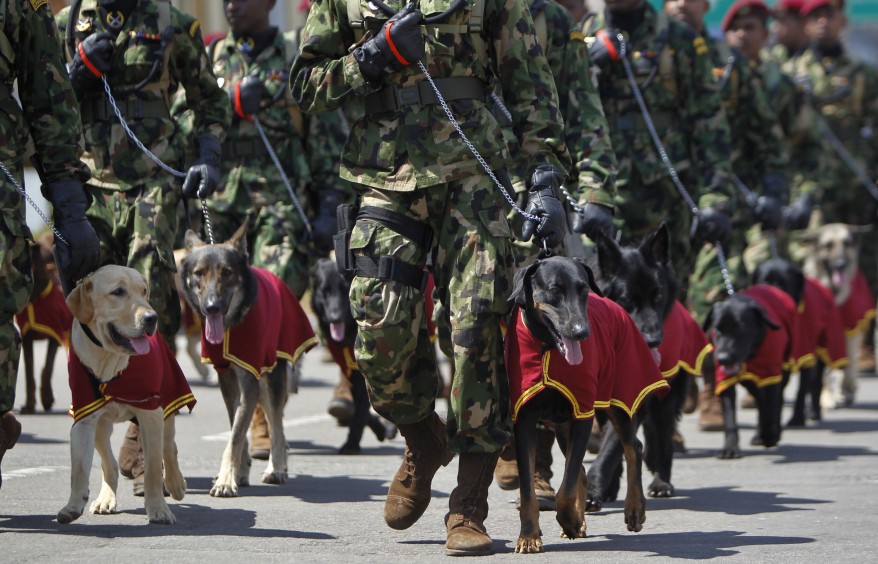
{"points": [[33, 204]]}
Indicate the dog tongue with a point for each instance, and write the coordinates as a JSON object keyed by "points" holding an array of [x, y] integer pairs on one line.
{"points": [[836, 279], [336, 330], [572, 351], [213, 328], [140, 345]]}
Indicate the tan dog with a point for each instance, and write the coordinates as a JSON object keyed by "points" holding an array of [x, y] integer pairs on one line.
{"points": [[127, 371], [833, 261]]}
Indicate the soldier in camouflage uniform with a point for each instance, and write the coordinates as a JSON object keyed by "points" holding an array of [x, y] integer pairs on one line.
{"points": [[423, 193], [48, 115], [135, 201], [789, 31], [674, 74]]}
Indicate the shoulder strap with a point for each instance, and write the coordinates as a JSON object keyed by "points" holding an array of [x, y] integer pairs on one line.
{"points": [[355, 20], [541, 29]]}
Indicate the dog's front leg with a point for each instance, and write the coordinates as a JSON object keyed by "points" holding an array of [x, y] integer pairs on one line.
{"points": [[175, 483], [530, 538], [571, 498], [106, 502], [152, 437], [82, 447], [603, 475], [47, 397], [731, 447], [635, 502], [769, 424], [273, 396], [848, 390], [231, 474]]}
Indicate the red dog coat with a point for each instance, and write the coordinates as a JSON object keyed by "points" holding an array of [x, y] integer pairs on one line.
{"points": [[47, 316], [859, 309], [276, 326], [820, 331], [151, 380], [617, 367], [777, 350], [684, 345]]}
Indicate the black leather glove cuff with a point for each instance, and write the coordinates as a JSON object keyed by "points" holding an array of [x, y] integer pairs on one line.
{"points": [[68, 198], [209, 150]]}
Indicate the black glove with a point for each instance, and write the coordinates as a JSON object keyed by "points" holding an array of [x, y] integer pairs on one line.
{"points": [[325, 225], [798, 214], [92, 60], [593, 218], [712, 224], [397, 44], [203, 177], [543, 203], [605, 48], [81, 254], [247, 96], [769, 206]]}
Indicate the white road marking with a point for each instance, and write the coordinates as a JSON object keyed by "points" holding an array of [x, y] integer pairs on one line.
{"points": [[36, 471], [288, 424]]}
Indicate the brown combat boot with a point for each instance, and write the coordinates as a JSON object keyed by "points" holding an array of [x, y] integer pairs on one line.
{"points": [[260, 442], [543, 470], [690, 403], [426, 449], [710, 417], [506, 471], [131, 451], [10, 430], [468, 506], [341, 406]]}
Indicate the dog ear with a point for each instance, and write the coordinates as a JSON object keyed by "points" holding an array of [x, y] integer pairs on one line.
{"points": [[656, 248], [589, 275], [609, 255], [239, 239], [708, 321], [764, 315], [521, 284], [192, 240], [806, 238], [79, 302]]}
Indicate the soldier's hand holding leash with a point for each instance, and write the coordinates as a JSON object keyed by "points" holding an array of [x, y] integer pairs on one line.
{"points": [[246, 96], [769, 206], [91, 61], [398, 43], [544, 203], [798, 214], [593, 218], [203, 177], [79, 251]]}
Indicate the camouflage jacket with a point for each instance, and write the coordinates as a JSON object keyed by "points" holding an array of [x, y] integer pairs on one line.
{"points": [[671, 66], [416, 146], [845, 92], [115, 161], [29, 54], [309, 148], [757, 146]]}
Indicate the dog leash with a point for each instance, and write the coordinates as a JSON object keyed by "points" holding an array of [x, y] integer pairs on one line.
{"points": [[650, 125], [33, 204], [752, 199], [153, 157]]}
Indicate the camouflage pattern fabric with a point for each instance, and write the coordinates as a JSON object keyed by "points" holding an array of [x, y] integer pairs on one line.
{"points": [[473, 272], [845, 92], [416, 164], [48, 115], [309, 147], [686, 108]]}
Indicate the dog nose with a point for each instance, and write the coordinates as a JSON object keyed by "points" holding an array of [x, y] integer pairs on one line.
{"points": [[149, 321], [580, 332], [212, 306]]}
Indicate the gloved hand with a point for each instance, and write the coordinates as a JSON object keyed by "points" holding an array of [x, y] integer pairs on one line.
{"points": [[82, 253], [543, 202], [712, 224], [769, 206], [592, 219], [203, 177], [605, 48], [798, 214], [246, 96], [397, 44], [92, 60], [325, 225]]}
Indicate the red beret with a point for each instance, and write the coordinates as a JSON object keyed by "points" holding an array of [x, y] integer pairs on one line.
{"points": [[794, 6], [811, 5], [745, 8]]}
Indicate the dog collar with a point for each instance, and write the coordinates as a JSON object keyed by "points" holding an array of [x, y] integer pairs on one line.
{"points": [[91, 336]]}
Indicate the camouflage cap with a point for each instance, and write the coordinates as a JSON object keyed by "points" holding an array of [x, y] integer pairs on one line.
{"points": [[745, 8], [812, 5]]}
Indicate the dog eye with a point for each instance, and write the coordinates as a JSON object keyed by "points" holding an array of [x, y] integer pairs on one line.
{"points": [[227, 272], [119, 292], [198, 273]]}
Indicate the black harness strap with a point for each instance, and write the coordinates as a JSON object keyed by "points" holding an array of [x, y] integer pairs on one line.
{"points": [[417, 232], [390, 268]]}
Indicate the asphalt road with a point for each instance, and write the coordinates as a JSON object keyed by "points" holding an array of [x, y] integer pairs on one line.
{"points": [[814, 498]]}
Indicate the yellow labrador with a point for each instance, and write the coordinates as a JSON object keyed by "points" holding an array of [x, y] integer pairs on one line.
{"points": [[121, 368]]}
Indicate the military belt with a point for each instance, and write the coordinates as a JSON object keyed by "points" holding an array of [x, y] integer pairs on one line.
{"points": [[131, 108], [662, 122], [244, 148], [393, 98], [391, 268]]}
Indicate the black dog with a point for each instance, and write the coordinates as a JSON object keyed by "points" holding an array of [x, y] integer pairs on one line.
{"points": [[642, 281], [332, 306], [753, 333], [569, 351]]}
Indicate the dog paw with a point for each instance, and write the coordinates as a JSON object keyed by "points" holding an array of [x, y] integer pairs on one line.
{"points": [[224, 489], [593, 505], [47, 399], [660, 488], [729, 453], [529, 545], [349, 449], [176, 486], [27, 410], [757, 440], [104, 506], [162, 516], [575, 532], [68, 515], [634, 518], [274, 478], [796, 422]]}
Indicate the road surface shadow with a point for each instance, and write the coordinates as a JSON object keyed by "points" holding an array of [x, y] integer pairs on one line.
{"points": [[727, 499], [691, 545], [31, 439], [192, 520], [846, 425], [813, 453], [310, 448]]}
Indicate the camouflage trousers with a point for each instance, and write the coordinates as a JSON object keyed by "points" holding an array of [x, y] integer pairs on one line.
{"points": [[472, 266], [16, 284], [275, 239], [136, 229], [706, 284]]}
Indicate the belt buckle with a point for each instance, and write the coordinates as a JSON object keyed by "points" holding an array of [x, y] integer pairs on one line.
{"points": [[407, 96]]}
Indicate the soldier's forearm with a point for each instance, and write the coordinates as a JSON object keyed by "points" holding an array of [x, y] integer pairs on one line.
{"points": [[322, 85]]}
